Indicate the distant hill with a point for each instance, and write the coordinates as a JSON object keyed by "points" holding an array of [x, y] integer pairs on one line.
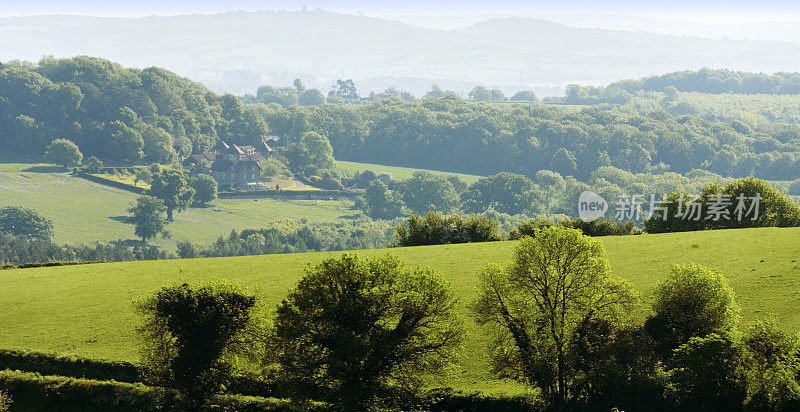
{"points": [[238, 51]]}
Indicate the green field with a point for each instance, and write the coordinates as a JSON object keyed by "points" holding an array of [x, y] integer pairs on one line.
{"points": [[84, 212], [399, 173], [86, 310]]}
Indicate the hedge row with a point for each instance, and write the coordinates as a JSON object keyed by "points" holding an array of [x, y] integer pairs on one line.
{"points": [[34, 391], [50, 263], [100, 369]]}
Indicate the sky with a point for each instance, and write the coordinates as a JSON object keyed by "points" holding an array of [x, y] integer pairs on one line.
{"points": [[716, 11]]}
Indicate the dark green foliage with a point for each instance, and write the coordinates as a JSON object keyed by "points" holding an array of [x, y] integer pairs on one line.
{"points": [[379, 202], [189, 331], [709, 374], [775, 208], [603, 227], [773, 367], [315, 237], [615, 366], [693, 301], [529, 228], [148, 217], [439, 229], [172, 188], [352, 327], [717, 81], [312, 155], [22, 250], [93, 165], [205, 190], [63, 153], [73, 366], [504, 192], [111, 112], [21, 221], [284, 96], [523, 96], [429, 192], [32, 391]]}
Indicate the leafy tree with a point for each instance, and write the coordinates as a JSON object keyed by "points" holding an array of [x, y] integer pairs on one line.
{"points": [[693, 301], [528, 228], [94, 165], [63, 153], [205, 189], [284, 96], [148, 217], [435, 92], [21, 221], [311, 97], [559, 278], [171, 187], [345, 90], [505, 192], [312, 155], [773, 367], [709, 374], [524, 96], [381, 203], [353, 327], [190, 334], [438, 229], [427, 192], [480, 94], [142, 175]]}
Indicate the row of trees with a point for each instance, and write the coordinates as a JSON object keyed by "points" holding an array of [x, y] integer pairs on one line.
{"points": [[116, 114], [364, 333], [460, 136]]}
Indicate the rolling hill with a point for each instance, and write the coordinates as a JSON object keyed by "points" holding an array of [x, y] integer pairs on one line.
{"points": [[86, 310], [238, 51]]}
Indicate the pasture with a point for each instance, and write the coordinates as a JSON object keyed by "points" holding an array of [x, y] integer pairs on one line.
{"points": [[86, 309]]}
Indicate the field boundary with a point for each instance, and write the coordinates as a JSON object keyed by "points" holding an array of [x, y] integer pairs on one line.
{"points": [[110, 183], [291, 194]]}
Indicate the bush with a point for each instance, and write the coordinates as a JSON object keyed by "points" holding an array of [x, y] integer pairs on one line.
{"points": [[72, 366], [529, 227], [189, 333], [5, 401], [34, 391], [438, 229]]}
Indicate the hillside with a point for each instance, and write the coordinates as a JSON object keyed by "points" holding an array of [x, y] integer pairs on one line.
{"points": [[84, 212], [86, 310], [275, 47]]}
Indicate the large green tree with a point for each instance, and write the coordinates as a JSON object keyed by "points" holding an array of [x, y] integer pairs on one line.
{"points": [[311, 155], [172, 188], [558, 279], [353, 326], [429, 192], [64, 153], [382, 203], [148, 217], [21, 221], [693, 301], [191, 333]]}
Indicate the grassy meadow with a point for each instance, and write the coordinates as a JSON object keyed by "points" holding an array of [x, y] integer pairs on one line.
{"points": [[84, 212], [399, 173], [86, 310]]}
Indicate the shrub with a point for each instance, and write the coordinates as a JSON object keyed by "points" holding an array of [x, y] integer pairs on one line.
{"points": [[438, 229], [190, 331], [5, 401]]}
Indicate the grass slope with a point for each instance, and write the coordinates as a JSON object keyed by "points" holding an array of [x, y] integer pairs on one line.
{"points": [[83, 212], [399, 173], [86, 310]]}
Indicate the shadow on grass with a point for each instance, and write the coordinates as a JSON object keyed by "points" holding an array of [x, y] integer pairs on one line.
{"points": [[44, 169], [121, 219]]}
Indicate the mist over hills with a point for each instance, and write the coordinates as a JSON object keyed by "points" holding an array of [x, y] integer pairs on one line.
{"points": [[238, 51]]}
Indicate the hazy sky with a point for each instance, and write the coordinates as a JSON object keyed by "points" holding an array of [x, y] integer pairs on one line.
{"points": [[685, 10]]}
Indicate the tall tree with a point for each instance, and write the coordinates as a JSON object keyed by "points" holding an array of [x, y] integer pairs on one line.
{"points": [[148, 217], [21, 221], [355, 326], [558, 279], [64, 153], [171, 187]]}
